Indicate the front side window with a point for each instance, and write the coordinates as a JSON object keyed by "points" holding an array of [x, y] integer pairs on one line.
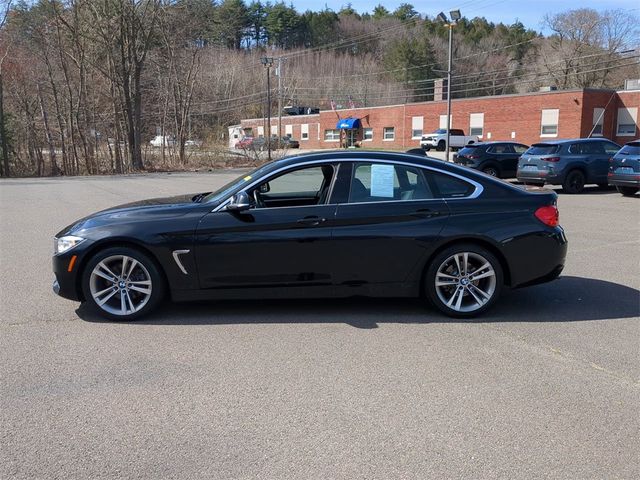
{"points": [[610, 148], [389, 133], [302, 187], [378, 182]]}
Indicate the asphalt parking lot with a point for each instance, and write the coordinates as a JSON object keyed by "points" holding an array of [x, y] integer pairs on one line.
{"points": [[547, 385]]}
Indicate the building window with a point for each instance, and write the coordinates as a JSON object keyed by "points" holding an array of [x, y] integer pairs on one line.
{"points": [[417, 124], [443, 121], [274, 130], [549, 122], [304, 131], [389, 134], [261, 131], [288, 131], [476, 124], [598, 122], [332, 135], [367, 134], [627, 119]]}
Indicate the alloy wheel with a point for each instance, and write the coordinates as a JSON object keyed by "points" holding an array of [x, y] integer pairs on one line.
{"points": [[120, 285], [465, 282]]}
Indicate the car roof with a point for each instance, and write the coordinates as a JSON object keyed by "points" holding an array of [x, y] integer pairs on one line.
{"points": [[571, 140], [494, 142], [355, 155]]}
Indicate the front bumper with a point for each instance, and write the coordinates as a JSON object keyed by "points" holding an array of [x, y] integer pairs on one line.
{"points": [[67, 271]]}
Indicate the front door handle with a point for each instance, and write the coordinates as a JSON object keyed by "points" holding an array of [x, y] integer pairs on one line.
{"points": [[312, 221]]}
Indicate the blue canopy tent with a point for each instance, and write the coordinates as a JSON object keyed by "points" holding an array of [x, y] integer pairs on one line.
{"points": [[349, 125]]}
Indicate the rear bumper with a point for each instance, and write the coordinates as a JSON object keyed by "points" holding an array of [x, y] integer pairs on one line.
{"points": [[537, 257], [624, 180], [538, 176]]}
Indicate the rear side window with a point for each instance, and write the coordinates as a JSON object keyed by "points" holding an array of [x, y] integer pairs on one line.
{"points": [[499, 149], [447, 186], [543, 149], [377, 182], [520, 148], [586, 148], [631, 149], [456, 132]]}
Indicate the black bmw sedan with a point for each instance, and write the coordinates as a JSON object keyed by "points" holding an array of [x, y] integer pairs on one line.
{"points": [[330, 224]]}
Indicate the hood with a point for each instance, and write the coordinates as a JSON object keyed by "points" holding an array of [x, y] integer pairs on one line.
{"points": [[152, 209]]}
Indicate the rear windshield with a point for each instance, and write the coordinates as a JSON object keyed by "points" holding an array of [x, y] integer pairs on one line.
{"points": [[630, 149], [543, 149], [469, 149]]}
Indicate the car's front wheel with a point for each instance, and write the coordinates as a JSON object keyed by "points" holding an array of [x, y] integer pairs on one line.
{"points": [[464, 280], [627, 191], [122, 283]]}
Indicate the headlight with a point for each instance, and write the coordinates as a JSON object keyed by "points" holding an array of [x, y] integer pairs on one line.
{"points": [[65, 243]]}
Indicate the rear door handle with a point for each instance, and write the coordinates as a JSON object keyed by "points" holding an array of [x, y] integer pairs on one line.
{"points": [[311, 221], [427, 213]]}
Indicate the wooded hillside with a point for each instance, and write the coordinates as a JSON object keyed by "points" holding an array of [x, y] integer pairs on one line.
{"points": [[87, 83]]}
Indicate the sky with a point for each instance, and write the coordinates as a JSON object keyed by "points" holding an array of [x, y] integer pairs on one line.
{"points": [[529, 12]]}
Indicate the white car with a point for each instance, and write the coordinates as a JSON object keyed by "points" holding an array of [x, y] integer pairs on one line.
{"points": [[160, 140], [438, 139]]}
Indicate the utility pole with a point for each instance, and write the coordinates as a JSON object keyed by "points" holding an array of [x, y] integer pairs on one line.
{"points": [[455, 16], [279, 73], [268, 63]]}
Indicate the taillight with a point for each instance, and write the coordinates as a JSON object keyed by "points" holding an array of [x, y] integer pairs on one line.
{"points": [[473, 157], [551, 159], [548, 215]]}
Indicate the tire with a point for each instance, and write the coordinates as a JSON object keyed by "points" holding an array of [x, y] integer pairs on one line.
{"points": [[574, 182], [491, 170], [441, 146], [627, 191], [463, 297], [426, 148], [131, 296]]}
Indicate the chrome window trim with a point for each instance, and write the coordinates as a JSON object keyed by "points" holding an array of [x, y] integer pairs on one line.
{"points": [[478, 188]]}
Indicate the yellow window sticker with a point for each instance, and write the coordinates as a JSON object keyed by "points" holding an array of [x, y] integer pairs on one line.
{"points": [[247, 178]]}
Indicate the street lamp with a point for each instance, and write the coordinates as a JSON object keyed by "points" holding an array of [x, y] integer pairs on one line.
{"points": [[455, 16], [268, 63]]}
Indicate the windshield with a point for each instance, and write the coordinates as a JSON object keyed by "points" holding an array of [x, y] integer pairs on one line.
{"points": [[440, 131], [224, 191], [543, 149]]}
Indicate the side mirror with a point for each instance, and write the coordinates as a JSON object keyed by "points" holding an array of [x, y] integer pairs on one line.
{"points": [[265, 188], [239, 202]]}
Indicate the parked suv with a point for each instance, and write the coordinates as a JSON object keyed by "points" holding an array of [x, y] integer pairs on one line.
{"points": [[438, 139], [624, 169], [570, 163], [498, 159]]}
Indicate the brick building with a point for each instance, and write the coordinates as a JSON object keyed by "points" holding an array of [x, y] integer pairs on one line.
{"points": [[525, 118]]}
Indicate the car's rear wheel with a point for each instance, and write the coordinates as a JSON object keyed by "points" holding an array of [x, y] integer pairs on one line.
{"points": [[627, 191], [441, 146], [491, 170], [122, 283], [574, 182], [464, 280]]}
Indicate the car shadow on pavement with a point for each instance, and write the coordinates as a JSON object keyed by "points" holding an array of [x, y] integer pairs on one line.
{"points": [[568, 299]]}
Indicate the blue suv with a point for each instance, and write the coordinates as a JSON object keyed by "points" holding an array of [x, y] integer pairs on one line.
{"points": [[570, 163]]}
